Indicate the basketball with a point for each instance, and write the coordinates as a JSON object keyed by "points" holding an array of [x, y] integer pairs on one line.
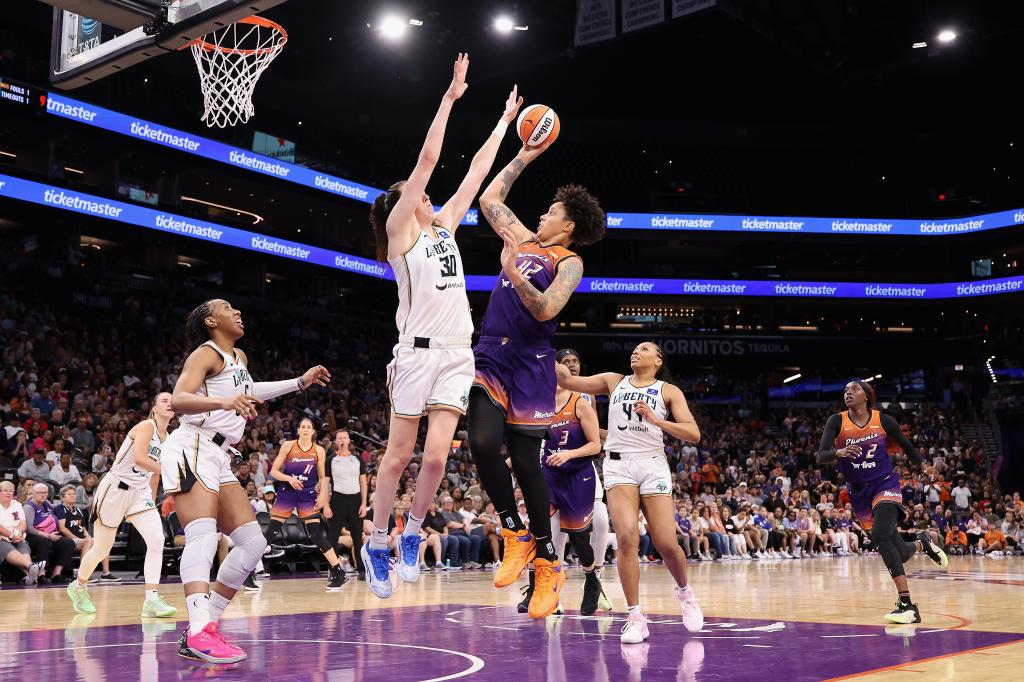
{"points": [[538, 124]]}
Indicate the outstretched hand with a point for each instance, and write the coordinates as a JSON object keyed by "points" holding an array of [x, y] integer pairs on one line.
{"points": [[512, 105], [458, 85], [508, 250]]}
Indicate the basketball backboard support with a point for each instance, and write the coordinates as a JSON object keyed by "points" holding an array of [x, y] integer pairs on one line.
{"points": [[123, 14], [84, 50]]}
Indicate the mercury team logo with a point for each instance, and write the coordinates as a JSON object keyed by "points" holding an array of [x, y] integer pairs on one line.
{"points": [[661, 487]]}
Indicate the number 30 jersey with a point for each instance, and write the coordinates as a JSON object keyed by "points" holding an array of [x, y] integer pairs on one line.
{"points": [[432, 298], [627, 432], [873, 461]]}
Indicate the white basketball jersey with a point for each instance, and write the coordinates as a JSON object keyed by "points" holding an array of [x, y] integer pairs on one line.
{"points": [[627, 432], [230, 382], [123, 467], [432, 298]]}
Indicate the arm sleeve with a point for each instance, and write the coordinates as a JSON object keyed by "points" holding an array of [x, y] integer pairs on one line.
{"points": [[328, 463], [268, 390], [827, 449], [893, 430]]}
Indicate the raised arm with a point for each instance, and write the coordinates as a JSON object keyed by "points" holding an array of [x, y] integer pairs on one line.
{"points": [[401, 225], [492, 205], [454, 210], [547, 304], [597, 384]]}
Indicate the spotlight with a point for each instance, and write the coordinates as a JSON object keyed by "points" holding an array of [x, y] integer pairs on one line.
{"points": [[393, 27], [504, 25], [947, 36], [919, 45]]}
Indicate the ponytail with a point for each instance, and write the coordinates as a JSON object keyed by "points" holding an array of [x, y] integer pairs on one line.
{"points": [[379, 212], [663, 373]]}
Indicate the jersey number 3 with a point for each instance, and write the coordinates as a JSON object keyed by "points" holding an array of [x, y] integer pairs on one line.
{"points": [[449, 266]]}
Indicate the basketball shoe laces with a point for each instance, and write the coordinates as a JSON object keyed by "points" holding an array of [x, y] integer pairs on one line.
{"points": [[410, 549], [382, 563]]}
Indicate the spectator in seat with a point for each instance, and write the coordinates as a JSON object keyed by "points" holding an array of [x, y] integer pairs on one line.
{"points": [[956, 541], [34, 468], [71, 522], [47, 544], [993, 543], [65, 471], [14, 549], [84, 438]]}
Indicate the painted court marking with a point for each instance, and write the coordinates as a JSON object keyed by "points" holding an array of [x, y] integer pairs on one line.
{"points": [[477, 664]]}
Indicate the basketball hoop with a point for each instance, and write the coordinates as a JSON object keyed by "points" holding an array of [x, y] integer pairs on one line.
{"points": [[231, 61]]}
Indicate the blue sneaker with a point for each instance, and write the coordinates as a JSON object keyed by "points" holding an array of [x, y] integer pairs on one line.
{"points": [[408, 564], [378, 574]]}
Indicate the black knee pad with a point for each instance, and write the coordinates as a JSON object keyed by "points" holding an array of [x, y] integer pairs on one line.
{"points": [[273, 531], [318, 536]]}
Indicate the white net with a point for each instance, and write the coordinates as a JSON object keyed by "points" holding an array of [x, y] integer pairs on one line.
{"points": [[231, 61]]}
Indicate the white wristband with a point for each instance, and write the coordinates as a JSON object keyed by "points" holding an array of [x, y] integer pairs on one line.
{"points": [[500, 129]]}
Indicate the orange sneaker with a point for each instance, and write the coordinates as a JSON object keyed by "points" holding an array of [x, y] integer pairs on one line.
{"points": [[520, 548], [548, 587]]}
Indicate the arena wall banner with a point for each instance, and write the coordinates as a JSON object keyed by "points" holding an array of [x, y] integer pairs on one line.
{"points": [[147, 131], [154, 219]]}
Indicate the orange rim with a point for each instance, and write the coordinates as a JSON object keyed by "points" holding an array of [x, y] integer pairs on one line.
{"points": [[255, 21]]}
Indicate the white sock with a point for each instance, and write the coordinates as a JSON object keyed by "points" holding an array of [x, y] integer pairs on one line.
{"points": [[685, 592], [635, 611], [218, 603], [412, 526], [152, 594], [379, 538], [198, 611]]}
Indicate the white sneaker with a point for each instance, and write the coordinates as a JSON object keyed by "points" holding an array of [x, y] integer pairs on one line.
{"points": [[635, 630], [785, 555], [693, 617], [407, 564]]}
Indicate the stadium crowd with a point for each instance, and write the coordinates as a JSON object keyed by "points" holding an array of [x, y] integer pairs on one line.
{"points": [[72, 385]]}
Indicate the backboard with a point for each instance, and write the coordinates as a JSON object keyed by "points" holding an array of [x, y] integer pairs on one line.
{"points": [[84, 49]]}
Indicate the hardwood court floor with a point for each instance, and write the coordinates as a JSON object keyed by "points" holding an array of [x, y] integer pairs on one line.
{"points": [[794, 620]]}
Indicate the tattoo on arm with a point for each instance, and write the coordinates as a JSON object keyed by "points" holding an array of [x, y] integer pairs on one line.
{"points": [[498, 214], [547, 305], [531, 298], [509, 176]]}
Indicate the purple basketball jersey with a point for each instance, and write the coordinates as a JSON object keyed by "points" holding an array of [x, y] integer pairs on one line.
{"points": [[566, 433], [873, 461]]}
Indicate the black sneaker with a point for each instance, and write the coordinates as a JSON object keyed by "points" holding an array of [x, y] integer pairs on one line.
{"points": [[591, 593], [109, 578], [183, 649], [524, 606], [933, 551], [250, 583], [273, 552], [904, 614], [337, 578]]}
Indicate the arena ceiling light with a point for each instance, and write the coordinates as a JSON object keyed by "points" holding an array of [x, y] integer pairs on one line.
{"points": [[792, 378], [504, 24], [393, 27], [916, 46], [947, 35]]}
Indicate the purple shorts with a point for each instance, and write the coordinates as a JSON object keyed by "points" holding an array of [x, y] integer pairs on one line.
{"points": [[299, 501], [519, 378], [571, 494], [864, 497]]}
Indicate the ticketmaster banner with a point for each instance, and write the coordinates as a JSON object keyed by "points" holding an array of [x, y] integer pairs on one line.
{"points": [[87, 204], [78, 202], [65, 107]]}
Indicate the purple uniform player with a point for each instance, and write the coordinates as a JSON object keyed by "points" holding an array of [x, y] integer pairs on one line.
{"points": [[513, 394], [567, 463], [302, 466], [858, 439]]}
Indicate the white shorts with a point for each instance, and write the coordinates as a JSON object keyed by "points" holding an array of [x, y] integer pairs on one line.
{"points": [[188, 456], [421, 379], [115, 503], [650, 474]]}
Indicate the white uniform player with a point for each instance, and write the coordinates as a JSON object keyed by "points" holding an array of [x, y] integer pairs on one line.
{"points": [[125, 491], [201, 450], [635, 449], [433, 361]]}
